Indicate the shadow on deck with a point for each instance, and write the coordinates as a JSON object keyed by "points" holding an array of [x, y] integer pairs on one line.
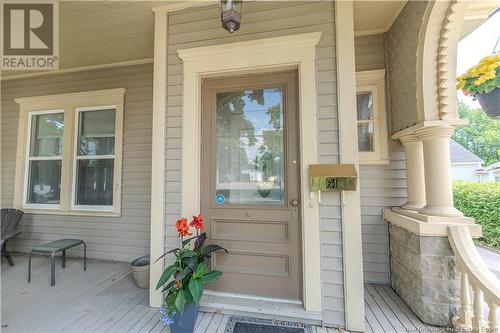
{"points": [[105, 299]]}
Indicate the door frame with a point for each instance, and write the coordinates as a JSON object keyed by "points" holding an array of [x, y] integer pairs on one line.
{"points": [[257, 56]]}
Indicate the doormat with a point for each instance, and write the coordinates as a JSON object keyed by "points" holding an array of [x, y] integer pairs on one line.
{"points": [[238, 324]]}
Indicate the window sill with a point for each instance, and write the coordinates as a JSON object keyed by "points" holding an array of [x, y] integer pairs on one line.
{"points": [[42, 211]]}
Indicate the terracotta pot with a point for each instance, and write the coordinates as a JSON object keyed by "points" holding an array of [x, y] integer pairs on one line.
{"points": [[490, 102]]}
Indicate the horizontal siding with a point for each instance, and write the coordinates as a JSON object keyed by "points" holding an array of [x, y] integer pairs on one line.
{"points": [[369, 52], [115, 238], [382, 186], [201, 27]]}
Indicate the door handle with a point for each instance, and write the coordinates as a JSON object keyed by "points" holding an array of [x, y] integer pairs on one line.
{"points": [[295, 202]]}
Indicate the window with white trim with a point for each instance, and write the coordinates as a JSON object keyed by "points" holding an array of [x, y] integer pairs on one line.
{"points": [[73, 153], [372, 119]]}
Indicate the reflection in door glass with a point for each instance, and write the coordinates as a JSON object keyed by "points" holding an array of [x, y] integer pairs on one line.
{"points": [[250, 150]]}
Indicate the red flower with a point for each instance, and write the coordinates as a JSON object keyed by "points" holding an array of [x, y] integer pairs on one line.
{"points": [[197, 222], [183, 227]]}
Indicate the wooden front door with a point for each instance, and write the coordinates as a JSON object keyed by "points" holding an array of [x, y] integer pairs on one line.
{"points": [[250, 182]]}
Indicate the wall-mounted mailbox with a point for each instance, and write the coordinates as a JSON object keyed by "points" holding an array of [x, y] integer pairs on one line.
{"points": [[332, 177]]}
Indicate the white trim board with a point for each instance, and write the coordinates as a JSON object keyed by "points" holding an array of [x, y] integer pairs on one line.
{"points": [[351, 201], [157, 231], [294, 51]]}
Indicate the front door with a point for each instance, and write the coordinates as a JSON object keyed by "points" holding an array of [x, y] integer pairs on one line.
{"points": [[250, 182]]}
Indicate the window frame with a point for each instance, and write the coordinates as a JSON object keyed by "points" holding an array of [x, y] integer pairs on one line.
{"points": [[70, 104], [28, 159], [374, 82], [76, 158]]}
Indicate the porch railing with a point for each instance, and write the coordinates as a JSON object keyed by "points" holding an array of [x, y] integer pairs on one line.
{"points": [[476, 279]]}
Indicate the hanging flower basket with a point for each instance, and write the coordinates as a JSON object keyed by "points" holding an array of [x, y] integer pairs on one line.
{"points": [[483, 82], [490, 103]]}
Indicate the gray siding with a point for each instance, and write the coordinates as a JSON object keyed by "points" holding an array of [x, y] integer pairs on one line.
{"points": [[369, 52], [116, 238], [201, 27], [382, 186]]}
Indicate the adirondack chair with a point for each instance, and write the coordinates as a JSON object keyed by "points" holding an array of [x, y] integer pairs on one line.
{"points": [[10, 219]]}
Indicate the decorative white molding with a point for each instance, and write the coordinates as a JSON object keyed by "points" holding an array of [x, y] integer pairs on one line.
{"points": [[429, 123], [378, 74], [263, 45], [446, 58], [78, 69], [423, 228]]}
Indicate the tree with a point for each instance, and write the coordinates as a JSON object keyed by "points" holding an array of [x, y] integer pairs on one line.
{"points": [[481, 136]]}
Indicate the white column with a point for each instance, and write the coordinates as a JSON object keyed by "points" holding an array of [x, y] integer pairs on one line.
{"points": [[157, 246], [438, 184], [351, 209], [415, 176]]}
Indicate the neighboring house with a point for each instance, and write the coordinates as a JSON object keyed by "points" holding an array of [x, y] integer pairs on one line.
{"points": [[154, 114], [491, 173], [464, 163]]}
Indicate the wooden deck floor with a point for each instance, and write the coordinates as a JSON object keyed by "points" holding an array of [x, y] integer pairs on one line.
{"points": [[105, 299]]}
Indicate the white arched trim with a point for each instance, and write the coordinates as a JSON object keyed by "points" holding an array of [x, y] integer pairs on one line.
{"points": [[437, 54]]}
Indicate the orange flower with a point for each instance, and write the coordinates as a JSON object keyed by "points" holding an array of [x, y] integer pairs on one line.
{"points": [[183, 227], [197, 222], [178, 284]]}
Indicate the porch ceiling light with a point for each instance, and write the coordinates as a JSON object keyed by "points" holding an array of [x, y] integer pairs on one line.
{"points": [[230, 14]]}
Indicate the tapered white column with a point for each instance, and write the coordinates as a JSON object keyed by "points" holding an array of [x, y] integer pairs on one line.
{"points": [[438, 184], [415, 176]]}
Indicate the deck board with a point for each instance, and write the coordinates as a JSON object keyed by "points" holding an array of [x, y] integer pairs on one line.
{"points": [[105, 299]]}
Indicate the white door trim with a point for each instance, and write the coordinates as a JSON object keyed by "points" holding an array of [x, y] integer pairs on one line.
{"points": [[293, 51]]}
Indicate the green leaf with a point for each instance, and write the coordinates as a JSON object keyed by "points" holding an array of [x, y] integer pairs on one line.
{"points": [[167, 273], [180, 301], [211, 277], [196, 289], [211, 248], [191, 262], [188, 253], [200, 270], [169, 286], [186, 241], [164, 254], [183, 274]]}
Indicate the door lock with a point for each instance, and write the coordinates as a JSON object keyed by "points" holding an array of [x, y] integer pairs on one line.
{"points": [[295, 202]]}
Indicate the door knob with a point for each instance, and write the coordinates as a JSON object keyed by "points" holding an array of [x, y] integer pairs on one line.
{"points": [[295, 202]]}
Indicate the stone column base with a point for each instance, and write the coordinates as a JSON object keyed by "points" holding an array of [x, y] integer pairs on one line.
{"points": [[425, 275]]}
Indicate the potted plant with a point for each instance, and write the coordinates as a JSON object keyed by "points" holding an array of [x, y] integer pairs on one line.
{"points": [[483, 82], [183, 282]]}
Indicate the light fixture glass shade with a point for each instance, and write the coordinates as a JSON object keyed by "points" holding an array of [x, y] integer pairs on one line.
{"points": [[230, 14]]}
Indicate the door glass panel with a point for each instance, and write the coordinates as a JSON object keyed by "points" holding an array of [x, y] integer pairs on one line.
{"points": [[250, 146]]}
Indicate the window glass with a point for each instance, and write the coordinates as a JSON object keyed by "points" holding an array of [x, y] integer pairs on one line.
{"points": [[95, 158], [46, 134], [94, 182], [250, 146], [44, 161], [364, 105], [96, 135], [365, 136], [44, 184], [366, 123]]}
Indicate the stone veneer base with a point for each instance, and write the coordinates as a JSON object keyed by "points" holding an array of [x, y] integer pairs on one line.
{"points": [[425, 275]]}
